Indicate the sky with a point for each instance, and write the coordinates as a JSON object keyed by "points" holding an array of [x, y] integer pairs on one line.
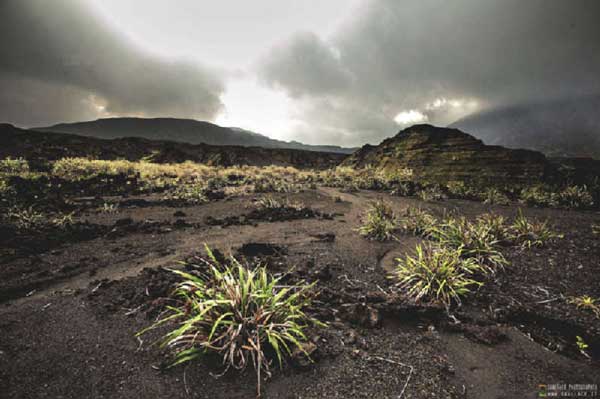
{"points": [[343, 72]]}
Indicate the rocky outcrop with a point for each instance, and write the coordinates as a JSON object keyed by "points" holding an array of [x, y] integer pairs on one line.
{"points": [[443, 154], [41, 147]]}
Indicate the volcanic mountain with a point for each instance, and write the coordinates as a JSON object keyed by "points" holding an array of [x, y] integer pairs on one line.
{"points": [[442, 154], [181, 130]]}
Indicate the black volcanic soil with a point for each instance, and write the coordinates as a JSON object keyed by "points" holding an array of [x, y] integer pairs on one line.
{"points": [[69, 309]]}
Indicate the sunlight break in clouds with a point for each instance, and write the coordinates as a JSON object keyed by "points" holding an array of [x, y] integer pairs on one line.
{"points": [[410, 117]]}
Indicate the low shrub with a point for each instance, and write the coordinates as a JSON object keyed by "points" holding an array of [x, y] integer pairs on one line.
{"points": [[240, 313]]}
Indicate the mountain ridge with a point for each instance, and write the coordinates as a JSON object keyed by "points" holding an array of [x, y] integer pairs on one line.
{"points": [[180, 130], [39, 147]]}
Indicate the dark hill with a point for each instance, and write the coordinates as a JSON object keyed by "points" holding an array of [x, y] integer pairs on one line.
{"points": [[442, 154], [40, 147], [180, 130]]}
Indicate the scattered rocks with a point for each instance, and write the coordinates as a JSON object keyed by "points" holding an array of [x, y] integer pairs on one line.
{"points": [[361, 314], [258, 249]]}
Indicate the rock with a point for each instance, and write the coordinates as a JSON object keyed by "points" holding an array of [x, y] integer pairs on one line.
{"points": [[180, 223], [324, 237], [179, 214], [376, 297], [323, 273], [488, 335], [124, 222], [361, 314]]}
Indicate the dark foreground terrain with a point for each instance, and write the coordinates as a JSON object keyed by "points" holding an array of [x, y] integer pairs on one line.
{"points": [[71, 305]]}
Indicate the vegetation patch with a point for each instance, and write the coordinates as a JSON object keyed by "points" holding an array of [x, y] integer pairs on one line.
{"points": [[529, 233], [379, 222], [243, 314], [477, 241], [437, 274], [416, 221]]}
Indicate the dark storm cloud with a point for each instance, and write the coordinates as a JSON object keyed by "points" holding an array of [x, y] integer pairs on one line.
{"points": [[401, 55], [60, 62], [287, 64]]}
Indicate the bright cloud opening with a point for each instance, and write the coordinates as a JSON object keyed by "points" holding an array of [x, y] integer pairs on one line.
{"points": [[410, 117]]}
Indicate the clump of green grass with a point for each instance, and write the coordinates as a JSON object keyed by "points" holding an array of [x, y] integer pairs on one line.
{"points": [[495, 225], [239, 313], [25, 218], [62, 220], [30, 219], [575, 197], [431, 193], [379, 222], [13, 166], [493, 196], [437, 274], [7, 193], [586, 302], [269, 202], [582, 346], [539, 195], [529, 233], [272, 185], [109, 208], [402, 188], [476, 241], [416, 221], [191, 193], [459, 189]]}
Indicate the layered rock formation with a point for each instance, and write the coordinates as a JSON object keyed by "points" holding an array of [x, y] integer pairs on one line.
{"points": [[443, 154]]}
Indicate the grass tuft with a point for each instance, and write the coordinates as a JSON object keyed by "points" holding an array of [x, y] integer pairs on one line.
{"points": [[239, 313], [529, 233], [476, 241], [437, 274], [379, 222]]}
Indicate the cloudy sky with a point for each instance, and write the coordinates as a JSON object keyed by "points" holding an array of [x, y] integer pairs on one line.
{"points": [[341, 72]]}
